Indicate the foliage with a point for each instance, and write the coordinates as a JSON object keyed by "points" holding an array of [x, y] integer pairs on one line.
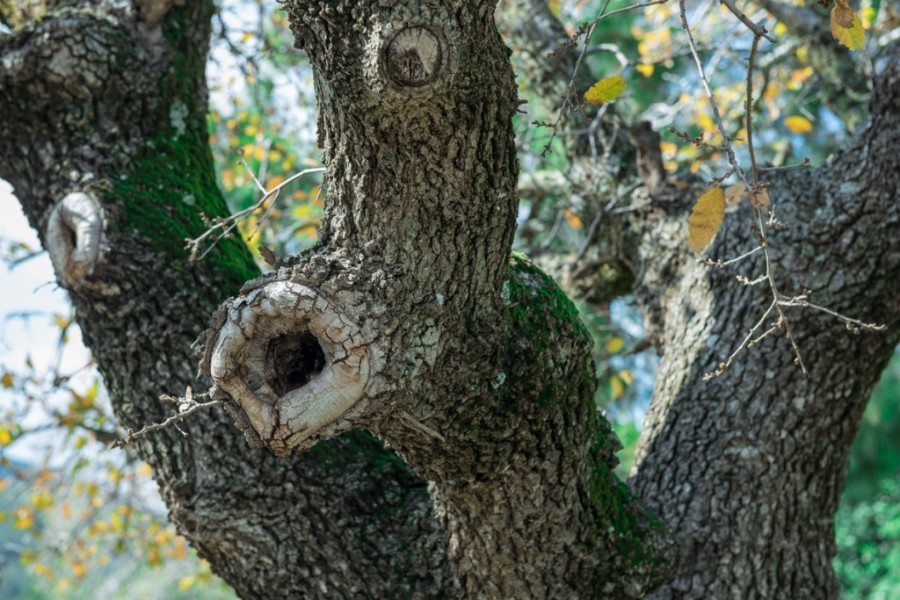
{"points": [[868, 521]]}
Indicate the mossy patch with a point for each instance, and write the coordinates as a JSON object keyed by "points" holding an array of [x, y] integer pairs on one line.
{"points": [[172, 180]]}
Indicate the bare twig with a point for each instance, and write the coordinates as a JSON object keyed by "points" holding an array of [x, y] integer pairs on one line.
{"points": [[758, 30], [720, 124], [854, 324], [748, 108], [224, 226], [802, 165], [719, 264], [186, 407]]}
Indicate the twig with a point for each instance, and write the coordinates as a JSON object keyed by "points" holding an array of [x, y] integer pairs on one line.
{"points": [[802, 165], [721, 264], [758, 30], [186, 407], [225, 225], [720, 124], [728, 362], [855, 324], [748, 107], [595, 223], [588, 30]]}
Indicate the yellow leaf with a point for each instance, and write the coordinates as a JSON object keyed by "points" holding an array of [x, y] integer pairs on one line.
{"points": [[24, 518], [7, 380], [852, 36], [645, 70], [247, 35], [605, 90], [842, 14], [798, 124], [617, 387], [627, 376], [186, 583], [668, 148], [614, 345], [78, 569], [274, 182], [179, 549], [5, 436], [735, 193], [42, 500], [706, 218]]}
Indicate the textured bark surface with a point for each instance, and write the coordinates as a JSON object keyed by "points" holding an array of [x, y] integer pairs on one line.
{"points": [[93, 102], [747, 469], [478, 371], [480, 376]]}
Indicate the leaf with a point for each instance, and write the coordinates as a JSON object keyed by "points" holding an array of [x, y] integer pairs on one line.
{"points": [[605, 90], [616, 387], [735, 193], [573, 219], [644, 69], [842, 14], [798, 124], [706, 218], [7, 380], [852, 36], [614, 345], [759, 198]]}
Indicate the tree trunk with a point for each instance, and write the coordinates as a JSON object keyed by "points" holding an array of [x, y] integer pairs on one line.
{"points": [[348, 518], [747, 468], [409, 319]]}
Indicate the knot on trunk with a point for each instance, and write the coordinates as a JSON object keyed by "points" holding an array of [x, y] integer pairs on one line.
{"points": [[292, 361], [414, 58], [73, 238]]}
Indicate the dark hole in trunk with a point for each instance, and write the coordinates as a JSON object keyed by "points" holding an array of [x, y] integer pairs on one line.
{"points": [[296, 360]]}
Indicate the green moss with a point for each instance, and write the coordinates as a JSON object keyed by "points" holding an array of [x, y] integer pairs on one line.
{"points": [[172, 181], [538, 315]]}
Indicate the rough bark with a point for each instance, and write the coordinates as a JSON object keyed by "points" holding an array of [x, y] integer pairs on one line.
{"points": [[474, 369], [477, 370], [96, 103], [747, 468], [737, 466], [477, 367]]}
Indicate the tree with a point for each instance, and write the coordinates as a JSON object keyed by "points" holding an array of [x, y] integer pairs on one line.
{"points": [[410, 320]]}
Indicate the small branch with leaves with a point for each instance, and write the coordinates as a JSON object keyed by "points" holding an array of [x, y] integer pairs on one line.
{"points": [[709, 211]]}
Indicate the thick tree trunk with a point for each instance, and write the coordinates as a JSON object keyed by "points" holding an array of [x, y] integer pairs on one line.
{"points": [[475, 368], [409, 319], [747, 468], [94, 102]]}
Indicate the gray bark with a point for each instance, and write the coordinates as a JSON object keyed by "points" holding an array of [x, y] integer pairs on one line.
{"points": [[88, 99], [747, 468], [477, 369]]}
